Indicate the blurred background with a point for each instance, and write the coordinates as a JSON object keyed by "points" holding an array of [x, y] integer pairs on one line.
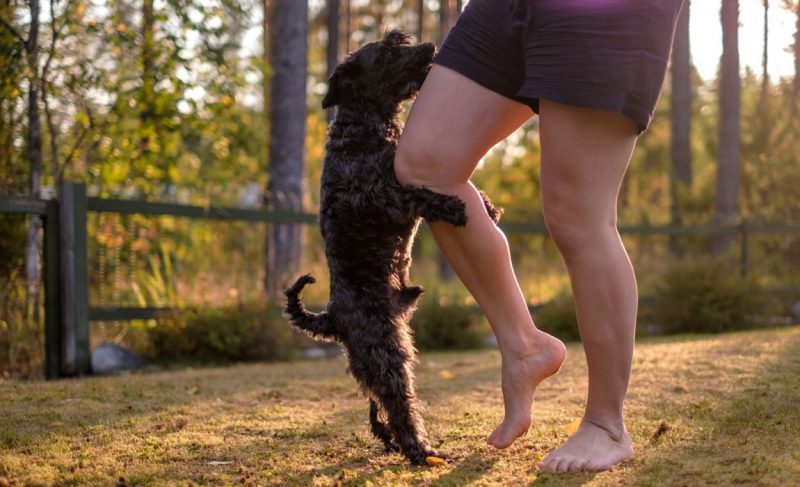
{"points": [[216, 103]]}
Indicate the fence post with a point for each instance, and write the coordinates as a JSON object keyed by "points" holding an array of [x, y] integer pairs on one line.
{"points": [[75, 284], [52, 293]]}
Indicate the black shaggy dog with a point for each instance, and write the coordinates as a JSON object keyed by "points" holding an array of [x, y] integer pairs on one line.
{"points": [[368, 222]]}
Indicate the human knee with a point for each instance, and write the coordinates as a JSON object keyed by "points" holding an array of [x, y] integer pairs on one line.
{"points": [[409, 166], [419, 162], [574, 225]]}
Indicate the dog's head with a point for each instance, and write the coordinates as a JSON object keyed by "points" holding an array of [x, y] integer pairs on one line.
{"points": [[382, 73]]}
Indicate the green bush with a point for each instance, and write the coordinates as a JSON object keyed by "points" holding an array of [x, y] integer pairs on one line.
{"points": [[253, 331], [445, 322], [706, 296], [557, 317]]}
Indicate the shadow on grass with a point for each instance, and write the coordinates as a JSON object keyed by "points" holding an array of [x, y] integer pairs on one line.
{"points": [[68, 408], [564, 479], [748, 435]]}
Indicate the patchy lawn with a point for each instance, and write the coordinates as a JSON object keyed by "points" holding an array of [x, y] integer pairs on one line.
{"points": [[720, 409]]}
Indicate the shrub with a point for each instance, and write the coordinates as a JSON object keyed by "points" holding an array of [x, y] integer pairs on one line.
{"points": [[557, 317], [705, 295], [252, 331], [444, 322]]}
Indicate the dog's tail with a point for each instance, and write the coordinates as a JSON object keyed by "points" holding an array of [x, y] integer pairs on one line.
{"points": [[318, 325]]}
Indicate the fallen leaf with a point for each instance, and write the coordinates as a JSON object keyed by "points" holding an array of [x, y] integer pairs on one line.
{"points": [[572, 428], [433, 461], [446, 374], [662, 428]]}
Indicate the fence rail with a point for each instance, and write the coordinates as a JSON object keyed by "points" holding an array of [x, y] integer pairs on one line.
{"points": [[67, 309]]}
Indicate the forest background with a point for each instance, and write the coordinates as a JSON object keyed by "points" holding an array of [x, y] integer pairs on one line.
{"points": [[217, 102]]}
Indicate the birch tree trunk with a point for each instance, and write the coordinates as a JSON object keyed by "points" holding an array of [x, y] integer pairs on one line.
{"points": [[288, 51], [729, 158], [33, 247]]}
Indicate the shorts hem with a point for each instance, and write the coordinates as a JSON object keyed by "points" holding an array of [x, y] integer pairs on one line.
{"points": [[532, 97], [450, 59]]}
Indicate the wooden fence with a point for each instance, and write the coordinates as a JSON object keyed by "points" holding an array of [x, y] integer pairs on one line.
{"points": [[66, 286], [65, 269]]}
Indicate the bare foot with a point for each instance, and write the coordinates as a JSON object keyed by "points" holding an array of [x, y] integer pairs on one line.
{"points": [[521, 374], [591, 448]]}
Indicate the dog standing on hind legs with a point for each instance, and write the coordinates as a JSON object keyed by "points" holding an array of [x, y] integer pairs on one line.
{"points": [[368, 223]]}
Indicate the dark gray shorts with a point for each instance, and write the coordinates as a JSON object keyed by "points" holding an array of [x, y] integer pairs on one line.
{"points": [[604, 54]]}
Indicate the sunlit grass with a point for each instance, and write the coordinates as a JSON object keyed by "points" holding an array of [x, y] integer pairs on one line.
{"points": [[727, 408]]}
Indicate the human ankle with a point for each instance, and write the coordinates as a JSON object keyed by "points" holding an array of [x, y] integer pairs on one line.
{"points": [[521, 343], [611, 423], [543, 351]]}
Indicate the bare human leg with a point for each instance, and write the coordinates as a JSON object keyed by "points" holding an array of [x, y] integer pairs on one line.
{"points": [[584, 157], [452, 124]]}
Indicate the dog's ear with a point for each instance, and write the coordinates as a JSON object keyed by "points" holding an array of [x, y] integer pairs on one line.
{"points": [[338, 83], [334, 88]]}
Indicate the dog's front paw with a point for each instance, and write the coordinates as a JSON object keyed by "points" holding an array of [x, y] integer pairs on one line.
{"points": [[435, 207], [452, 210], [495, 212]]}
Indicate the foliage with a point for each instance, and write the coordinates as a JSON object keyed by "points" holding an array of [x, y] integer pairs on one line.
{"points": [[558, 318], [706, 296], [442, 322], [21, 346], [252, 331]]}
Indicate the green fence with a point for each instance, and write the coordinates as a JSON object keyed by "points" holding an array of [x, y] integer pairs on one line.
{"points": [[67, 309]]}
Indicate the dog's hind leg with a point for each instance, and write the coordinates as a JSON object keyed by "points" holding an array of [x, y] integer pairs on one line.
{"points": [[396, 394], [379, 427]]}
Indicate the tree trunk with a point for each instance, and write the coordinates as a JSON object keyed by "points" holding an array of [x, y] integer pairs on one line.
{"points": [[348, 26], [797, 54], [681, 111], [765, 57], [147, 101], [33, 248], [420, 19], [729, 158], [288, 49], [447, 17], [378, 14], [333, 42], [763, 124]]}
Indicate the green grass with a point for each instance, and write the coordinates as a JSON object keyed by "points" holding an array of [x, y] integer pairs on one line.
{"points": [[730, 405]]}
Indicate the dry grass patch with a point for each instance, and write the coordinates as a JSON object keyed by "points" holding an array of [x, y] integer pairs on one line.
{"points": [[722, 409]]}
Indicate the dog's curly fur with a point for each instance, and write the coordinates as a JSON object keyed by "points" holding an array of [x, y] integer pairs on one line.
{"points": [[368, 222]]}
